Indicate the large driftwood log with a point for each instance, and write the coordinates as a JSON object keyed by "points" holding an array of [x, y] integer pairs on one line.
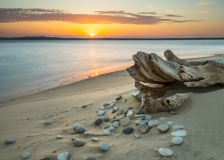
{"points": [[150, 68]]}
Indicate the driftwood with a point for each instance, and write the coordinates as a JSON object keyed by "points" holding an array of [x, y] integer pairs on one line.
{"points": [[152, 69]]}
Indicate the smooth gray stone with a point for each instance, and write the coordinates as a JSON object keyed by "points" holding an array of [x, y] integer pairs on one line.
{"points": [[48, 122], [162, 118], [130, 113], [116, 124], [163, 127], [101, 117], [177, 126], [77, 125], [104, 146], [177, 140], [95, 139], [25, 155], [137, 135], [152, 123], [148, 117], [59, 137], [63, 156], [172, 112], [9, 140], [113, 111], [165, 152], [106, 119], [119, 97], [106, 104], [180, 133], [143, 127], [79, 143], [125, 121], [119, 112], [45, 158], [128, 130], [101, 112], [111, 128], [138, 121], [106, 132], [98, 121], [80, 129]]}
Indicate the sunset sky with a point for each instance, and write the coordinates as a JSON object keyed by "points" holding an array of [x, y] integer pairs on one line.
{"points": [[112, 18]]}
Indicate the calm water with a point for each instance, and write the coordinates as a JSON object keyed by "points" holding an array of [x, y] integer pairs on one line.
{"points": [[30, 66]]}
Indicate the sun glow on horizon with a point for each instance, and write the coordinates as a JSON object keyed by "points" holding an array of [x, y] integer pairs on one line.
{"points": [[92, 34]]}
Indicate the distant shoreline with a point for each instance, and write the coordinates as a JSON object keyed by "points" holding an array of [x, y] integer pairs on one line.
{"points": [[60, 38]]}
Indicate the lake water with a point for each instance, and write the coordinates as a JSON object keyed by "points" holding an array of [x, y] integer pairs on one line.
{"points": [[31, 66]]}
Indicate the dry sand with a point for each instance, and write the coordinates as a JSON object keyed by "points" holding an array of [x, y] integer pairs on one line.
{"points": [[24, 119]]}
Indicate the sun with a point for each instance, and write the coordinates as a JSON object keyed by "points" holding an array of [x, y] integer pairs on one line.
{"points": [[92, 34]]}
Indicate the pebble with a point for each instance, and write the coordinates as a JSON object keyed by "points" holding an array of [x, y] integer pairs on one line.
{"points": [[165, 152], [79, 143], [111, 128], [101, 117], [106, 119], [111, 104], [124, 100], [162, 118], [180, 133], [119, 97], [137, 135], [102, 108], [111, 119], [130, 113], [80, 129], [143, 127], [98, 121], [106, 104], [48, 122], [77, 125], [128, 130], [138, 121], [125, 121], [177, 140], [59, 137], [170, 122], [140, 116], [106, 127], [101, 112], [106, 132], [148, 117], [25, 155], [125, 111], [95, 139], [119, 112], [9, 140], [104, 146], [46, 158], [63, 156], [177, 126], [172, 112], [116, 124], [163, 127], [152, 123]]}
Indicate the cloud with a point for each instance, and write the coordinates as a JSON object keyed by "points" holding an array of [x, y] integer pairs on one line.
{"points": [[195, 12], [102, 17], [172, 15], [204, 3], [147, 13]]}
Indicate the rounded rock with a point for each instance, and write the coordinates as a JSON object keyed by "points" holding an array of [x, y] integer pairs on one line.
{"points": [[95, 139], [9, 140], [48, 122], [111, 128], [80, 129], [125, 121], [59, 137], [104, 146], [106, 132], [25, 155], [165, 152], [79, 143], [101, 117], [148, 117], [116, 124], [106, 104], [137, 135], [130, 113], [177, 140], [143, 127], [138, 121], [128, 130], [98, 121], [77, 125], [63, 156], [177, 126], [152, 123], [180, 133], [101, 112], [163, 127], [162, 118]]}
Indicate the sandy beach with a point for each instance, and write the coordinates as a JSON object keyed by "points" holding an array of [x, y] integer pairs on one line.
{"points": [[24, 120]]}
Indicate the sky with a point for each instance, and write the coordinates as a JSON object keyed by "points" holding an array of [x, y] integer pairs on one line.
{"points": [[112, 18]]}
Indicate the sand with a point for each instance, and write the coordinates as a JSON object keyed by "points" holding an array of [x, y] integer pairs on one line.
{"points": [[24, 119]]}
